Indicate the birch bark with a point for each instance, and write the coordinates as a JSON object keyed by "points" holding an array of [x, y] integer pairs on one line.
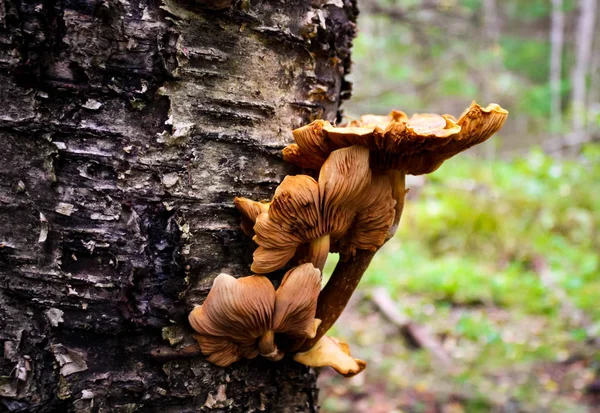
{"points": [[556, 51], [583, 45], [126, 129]]}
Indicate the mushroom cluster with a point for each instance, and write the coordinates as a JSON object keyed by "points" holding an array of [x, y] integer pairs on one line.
{"points": [[347, 208], [245, 317], [352, 208]]}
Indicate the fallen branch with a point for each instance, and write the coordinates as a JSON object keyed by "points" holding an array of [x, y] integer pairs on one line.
{"points": [[417, 334]]}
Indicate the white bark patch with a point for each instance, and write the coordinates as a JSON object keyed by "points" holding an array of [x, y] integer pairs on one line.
{"points": [[60, 145], [92, 104], [102, 217], [217, 401], [87, 394], [181, 132], [210, 401], [322, 21], [44, 228], [169, 180], [54, 316], [65, 209], [70, 361]]}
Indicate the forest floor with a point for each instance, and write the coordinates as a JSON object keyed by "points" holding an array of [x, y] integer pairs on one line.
{"points": [[487, 298], [403, 376]]}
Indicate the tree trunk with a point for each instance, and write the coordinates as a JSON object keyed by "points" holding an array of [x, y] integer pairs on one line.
{"points": [[126, 129], [583, 44], [593, 102], [556, 42], [490, 38]]}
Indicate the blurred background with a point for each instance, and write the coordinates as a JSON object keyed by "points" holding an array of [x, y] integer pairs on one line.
{"points": [[488, 298]]}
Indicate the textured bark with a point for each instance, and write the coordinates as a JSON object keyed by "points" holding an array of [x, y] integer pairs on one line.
{"points": [[126, 129]]}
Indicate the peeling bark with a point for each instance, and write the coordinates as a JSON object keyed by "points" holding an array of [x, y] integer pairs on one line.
{"points": [[126, 129]]}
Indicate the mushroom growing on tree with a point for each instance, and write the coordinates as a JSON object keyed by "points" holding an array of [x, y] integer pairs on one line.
{"points": [[329, 351], [241, 316], [319, 214], [398, 145], [353, 208]]}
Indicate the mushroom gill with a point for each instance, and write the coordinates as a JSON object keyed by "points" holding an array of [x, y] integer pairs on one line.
{"points": [[241, 317], [235, 314], [309, 212], [250, 211], [398, 145]]}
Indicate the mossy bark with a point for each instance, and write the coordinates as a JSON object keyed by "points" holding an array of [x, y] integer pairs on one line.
{"points": [[126, 129]]}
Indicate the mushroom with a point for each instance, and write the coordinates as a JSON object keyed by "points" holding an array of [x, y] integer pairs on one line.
{"points": [[250, 211], [308, 212], [417, 145], [374, 216], [398, 145], [329, 351], [241, 316]]}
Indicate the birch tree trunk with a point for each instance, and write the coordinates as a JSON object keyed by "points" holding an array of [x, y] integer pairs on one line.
{"points": [[593, 101], [583, 44], [556, 51], [126, 129], [490, 37]]}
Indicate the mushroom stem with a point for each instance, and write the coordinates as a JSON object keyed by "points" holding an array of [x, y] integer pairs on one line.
{"points": [[347, 274], [266, 343], [336, 294], [398, 181], [318, 250], [268, 348]]}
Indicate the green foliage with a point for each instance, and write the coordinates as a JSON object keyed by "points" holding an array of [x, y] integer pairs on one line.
{"points": [[495, 258], [528, 9], [528, 56], [477, 229], [420, 58]]}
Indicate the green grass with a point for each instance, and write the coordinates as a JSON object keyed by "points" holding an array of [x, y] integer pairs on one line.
{"points": [[475, 231]]}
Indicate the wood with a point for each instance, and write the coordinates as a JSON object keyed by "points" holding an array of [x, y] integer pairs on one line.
{"points": [[556, 52], [583, 49], [416, 334], [126, 130]]}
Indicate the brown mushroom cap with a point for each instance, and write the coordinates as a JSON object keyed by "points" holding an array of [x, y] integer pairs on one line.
{"points": [[304, 210], [240, 315], [373, 220], [296, 302], [234, 315], [381, 121], [250, 211], [416, 145], [329, 351]]}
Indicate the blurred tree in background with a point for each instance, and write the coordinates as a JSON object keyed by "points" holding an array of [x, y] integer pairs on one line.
{"points": [[538, 58], [487, 298]]}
